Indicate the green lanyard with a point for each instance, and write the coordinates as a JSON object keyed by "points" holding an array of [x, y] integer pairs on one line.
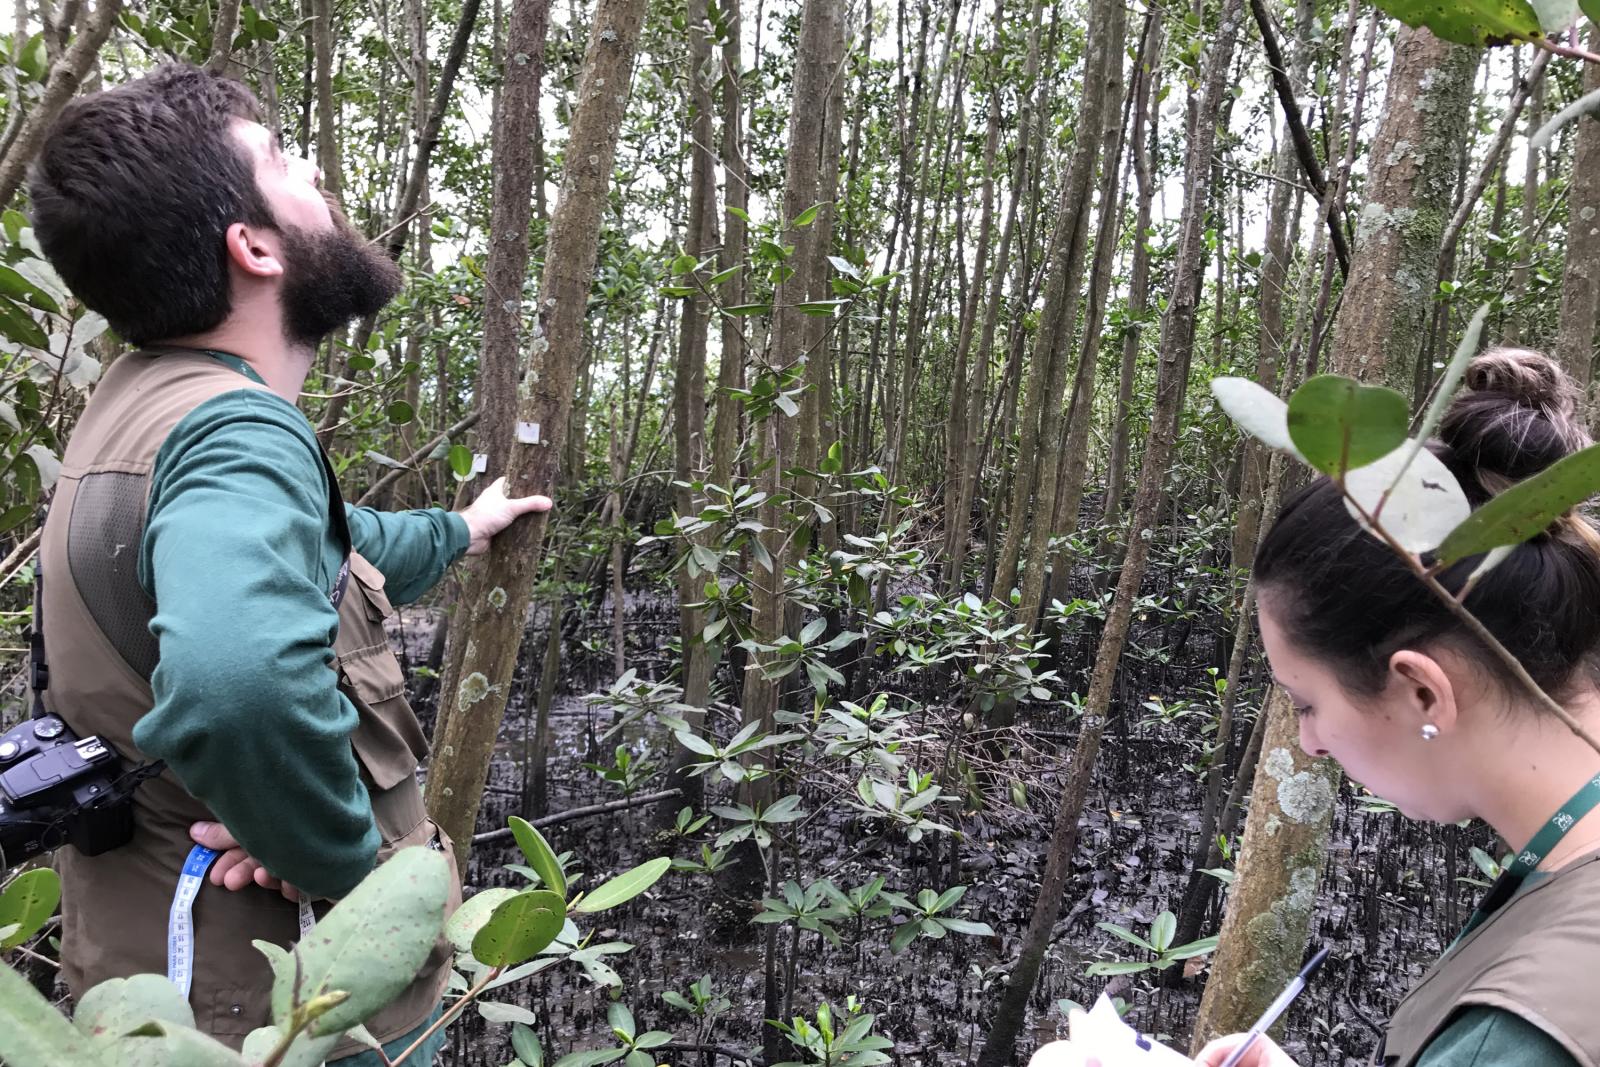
{"points": [[1528, 860], [231, 360]]}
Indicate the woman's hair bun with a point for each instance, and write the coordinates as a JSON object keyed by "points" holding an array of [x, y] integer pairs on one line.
{"points": [[1517, 414], [1527, 377]]}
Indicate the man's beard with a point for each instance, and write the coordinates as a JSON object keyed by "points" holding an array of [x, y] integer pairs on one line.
{"points": [[331, 278]]}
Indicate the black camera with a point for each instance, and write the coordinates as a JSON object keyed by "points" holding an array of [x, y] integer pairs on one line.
{"points": [[57, 789]]}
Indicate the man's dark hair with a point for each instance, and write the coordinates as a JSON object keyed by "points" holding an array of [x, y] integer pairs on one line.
{"points": [[134, 191]]}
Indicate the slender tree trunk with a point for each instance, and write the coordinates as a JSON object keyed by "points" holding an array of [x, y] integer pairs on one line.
{"points": [[1147, 108], [495, 604], [689, 394], [1580, 281], [730, 372], [1529, 219], [321, 30], [1408, 202], [226, 25], [965, 397], [1177, 345]]}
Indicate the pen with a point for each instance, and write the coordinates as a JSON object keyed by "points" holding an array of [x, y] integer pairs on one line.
{"points": [[1277, 1007]]}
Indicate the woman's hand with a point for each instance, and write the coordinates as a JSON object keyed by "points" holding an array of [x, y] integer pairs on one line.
{"points": [[1264, 1053]]}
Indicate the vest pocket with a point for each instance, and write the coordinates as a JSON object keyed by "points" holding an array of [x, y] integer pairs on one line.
{"points": [[388, 740]]}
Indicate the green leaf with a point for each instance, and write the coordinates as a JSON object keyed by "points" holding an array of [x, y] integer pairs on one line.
{"points": [[1127, 935], [495, 1012], [473, 913], [373, 942], [1110, 967], [1258, 412], [1339, 424], [541, 857], [822, 307], [118, 1006], [1527, 508], [32, 60], [525, 1043], [18, 326], [624, 887], [400, 412], [683, 264], [385, 461], [461, 461], [844, 266], [13, 517], [28, 901], [520, 928], [33, 1033], [592, 1058], [306, 1051], [808, 216], [747, 309], [1469, 22], [162, 1044], [361, 361], [1162, 929], [1202, 947], [1555, 15]]}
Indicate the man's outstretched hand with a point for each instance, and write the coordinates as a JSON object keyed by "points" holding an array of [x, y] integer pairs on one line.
{"points": [[493, 511]]}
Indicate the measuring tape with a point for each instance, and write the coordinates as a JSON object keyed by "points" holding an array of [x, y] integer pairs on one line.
{"points": [[180, 920]]}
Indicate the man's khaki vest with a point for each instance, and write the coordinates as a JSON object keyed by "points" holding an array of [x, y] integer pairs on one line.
{"points": [[115, 905], [1536, 957]]}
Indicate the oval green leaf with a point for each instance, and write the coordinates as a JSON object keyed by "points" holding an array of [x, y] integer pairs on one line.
{"points": [[119, 1005], [1338, 424], [1469, 22], [32, 1032], [1527, 508], [541, 857], [28, 902], [473, 913], [624, 887], [520, 928], [373, 942]]}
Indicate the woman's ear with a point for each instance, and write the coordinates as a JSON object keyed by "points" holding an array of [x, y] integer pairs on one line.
{"points": [[1426, 690], [253, 250]]}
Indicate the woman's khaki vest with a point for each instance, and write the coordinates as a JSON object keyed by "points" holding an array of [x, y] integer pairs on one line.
{"points": [[1536, 957], [101, 653]]}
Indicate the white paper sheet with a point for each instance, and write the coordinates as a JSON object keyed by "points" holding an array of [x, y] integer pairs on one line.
{"points": [[1099, 1036]]}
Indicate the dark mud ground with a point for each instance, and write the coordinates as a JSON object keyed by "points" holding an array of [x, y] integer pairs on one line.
{"points": [[1389, 893]]}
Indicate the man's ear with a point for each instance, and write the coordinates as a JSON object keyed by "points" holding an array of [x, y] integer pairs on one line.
{"points": [[254, 249], [1426, 690]]}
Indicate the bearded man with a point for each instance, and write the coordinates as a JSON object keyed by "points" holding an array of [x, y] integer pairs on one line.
{"points": [[208, 600]]}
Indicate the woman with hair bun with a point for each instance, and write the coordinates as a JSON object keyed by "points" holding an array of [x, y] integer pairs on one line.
{"points": [[1385, 680]]}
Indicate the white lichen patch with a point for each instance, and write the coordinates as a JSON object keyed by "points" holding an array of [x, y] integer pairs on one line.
{"points": [[1279, 763], [497, 598], [473, 688], [1305, 797]]}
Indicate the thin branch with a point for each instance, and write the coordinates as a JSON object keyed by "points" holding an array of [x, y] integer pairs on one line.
{"points": [[580, 813], [410, 462], [1297, 134]]}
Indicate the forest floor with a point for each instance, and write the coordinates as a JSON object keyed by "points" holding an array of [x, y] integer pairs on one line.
{"points": [[1390, 894]]}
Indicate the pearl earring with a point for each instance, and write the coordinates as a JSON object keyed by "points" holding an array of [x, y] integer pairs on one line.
{"points": [[1429, 731]]}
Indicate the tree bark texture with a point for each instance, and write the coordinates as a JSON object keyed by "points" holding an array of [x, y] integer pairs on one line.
{"points": [[494, 605], [1580, 281], [1410, 189]]}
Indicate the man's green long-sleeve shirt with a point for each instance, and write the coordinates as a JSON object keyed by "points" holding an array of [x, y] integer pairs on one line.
{"points": [[239, 556]]}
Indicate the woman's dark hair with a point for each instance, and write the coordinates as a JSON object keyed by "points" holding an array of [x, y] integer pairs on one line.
{"points": [[1343, 596], [133, 193]]}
